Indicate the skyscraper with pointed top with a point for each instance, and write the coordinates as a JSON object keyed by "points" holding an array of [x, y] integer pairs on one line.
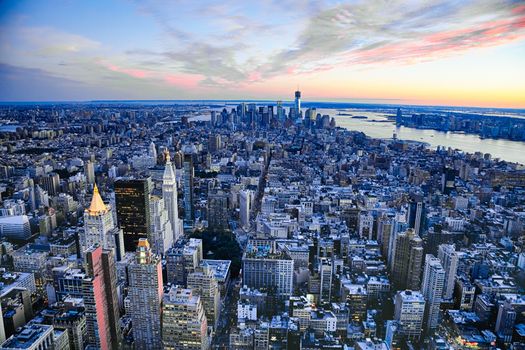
{"points": [[169, 194], [99, 227]]}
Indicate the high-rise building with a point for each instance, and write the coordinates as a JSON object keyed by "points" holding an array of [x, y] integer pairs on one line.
{"points": [[297, 104], [356, 301], [366, 225], [263, 268], [325, 273], [203, 283], [385, 233], [184, 323], [465, 293], [449, 260], [2, 329], [161, 233], [448, 179], [89, 172], [416, 216], [15, 227], [214, 143], [133, 216], [145, 293], [432, 290], [189, 214], [182, 260], [99, 290], [505, 321], [399, 116], [409, 312], [218, 210], [99, 227], [169, 194], [153, 153], [50, 183], [245, 205], [407, 260]]}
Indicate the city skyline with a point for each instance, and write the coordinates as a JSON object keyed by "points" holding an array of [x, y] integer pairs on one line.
{"points": [[442, 53]]}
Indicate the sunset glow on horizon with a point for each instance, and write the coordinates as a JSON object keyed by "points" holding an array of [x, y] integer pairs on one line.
{"points": [[458, 53]]}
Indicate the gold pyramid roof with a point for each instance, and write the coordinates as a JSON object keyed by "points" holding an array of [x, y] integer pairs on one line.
{"points": [[143, 242], [97, 204]]}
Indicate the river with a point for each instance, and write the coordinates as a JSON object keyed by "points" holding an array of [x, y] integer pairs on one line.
{"points": [[379, 126]]}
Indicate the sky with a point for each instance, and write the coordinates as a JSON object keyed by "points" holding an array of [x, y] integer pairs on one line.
{"points": [[450, 52]]}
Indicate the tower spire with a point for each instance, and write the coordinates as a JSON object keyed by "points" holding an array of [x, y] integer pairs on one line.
{"points": [[97, 204]]}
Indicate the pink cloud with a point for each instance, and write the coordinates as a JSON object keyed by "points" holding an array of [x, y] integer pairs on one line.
{"points": [[183, 80], [519, 9], [490, 33], [135, 73], [254, 76]]}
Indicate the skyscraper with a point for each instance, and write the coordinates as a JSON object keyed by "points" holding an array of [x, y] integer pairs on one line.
{"points": [[169, 194], [153, 153], [50, 183], [214, 143], [133, 216], [184, 323], [448, 178], [145, 293], [99, 290], [385, 233], [161, 233], [325, 273], [203, 283], [409, 312], [416, 216], [89, 171], [432, 290], [407, 260], [189, 214], [2, 329], [449, 260], [99, 227], [297, 103], [245, 208], [505, 321], [218, 210]]}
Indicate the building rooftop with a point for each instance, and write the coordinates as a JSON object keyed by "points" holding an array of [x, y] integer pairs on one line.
{"points": [[26, 337], [221, 268]]}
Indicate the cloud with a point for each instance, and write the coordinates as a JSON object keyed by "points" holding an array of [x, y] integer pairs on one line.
{"points": [[209, 60], [329, 35], [37, 85], [132, 72], [234, 46], [445, 43], [50, 41], [380, 32]]}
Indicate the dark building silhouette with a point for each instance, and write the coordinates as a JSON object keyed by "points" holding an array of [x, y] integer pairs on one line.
{"points": [[133, 212]]}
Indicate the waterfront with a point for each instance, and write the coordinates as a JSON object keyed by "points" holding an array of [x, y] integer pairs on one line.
{"points": [[378, 126]]}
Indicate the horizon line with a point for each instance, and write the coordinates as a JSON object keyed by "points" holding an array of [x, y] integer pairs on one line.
{"points": [[336, 101]]}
